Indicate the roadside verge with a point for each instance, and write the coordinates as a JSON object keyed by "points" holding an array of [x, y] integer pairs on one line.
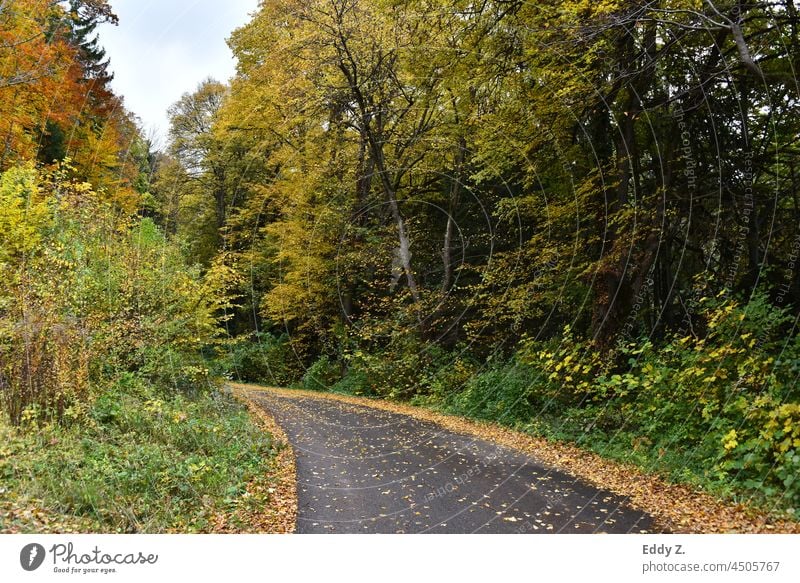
{"points": [[279, 492]]}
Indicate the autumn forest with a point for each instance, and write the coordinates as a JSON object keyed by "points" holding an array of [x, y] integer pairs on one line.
{"points": [[577, 220]]}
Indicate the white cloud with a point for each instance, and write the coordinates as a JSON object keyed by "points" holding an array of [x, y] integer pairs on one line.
{"points": [[164, 48]]}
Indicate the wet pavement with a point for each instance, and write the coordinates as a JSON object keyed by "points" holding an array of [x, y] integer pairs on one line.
{"points": [[365, 470]]}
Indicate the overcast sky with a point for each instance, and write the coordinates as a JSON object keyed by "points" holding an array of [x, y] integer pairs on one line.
{"points": [[164, 48]]}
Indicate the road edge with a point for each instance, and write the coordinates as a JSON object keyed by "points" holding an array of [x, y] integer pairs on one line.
{"points": [[281, 516]]}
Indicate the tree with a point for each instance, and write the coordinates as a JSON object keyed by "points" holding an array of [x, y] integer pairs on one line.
{"points": [[481, 171]]}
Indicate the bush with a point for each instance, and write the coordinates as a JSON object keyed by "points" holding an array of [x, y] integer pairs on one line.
{"points": [[355, 382], [721, 410], [43, 362], [261, 358], [322, 375], [125, 301], [449, 378], [501, 393], [406, 368]]}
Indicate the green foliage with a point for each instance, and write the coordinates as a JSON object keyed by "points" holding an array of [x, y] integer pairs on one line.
{"points": [[450, 377], [142, 461], [355, 382], [503, 393], [261, 358], [321, 375], [405, 368], [721, 411], [125, 300]]}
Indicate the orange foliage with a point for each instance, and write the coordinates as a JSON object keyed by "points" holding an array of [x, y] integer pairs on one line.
{"points": [[33, 72], [43, 86]]}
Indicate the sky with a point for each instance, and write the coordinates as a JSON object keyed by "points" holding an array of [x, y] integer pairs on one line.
{"points": [[164, 48]]}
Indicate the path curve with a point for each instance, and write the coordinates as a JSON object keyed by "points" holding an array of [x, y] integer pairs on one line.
{"points": [[365, 470]]}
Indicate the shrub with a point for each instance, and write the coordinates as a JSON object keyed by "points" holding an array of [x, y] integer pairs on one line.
{"points": [[502, 393], [322, 375], [721, 410], [125, 299], [261, 358], [404, 369], [449, 378], [355, 382], [44, 349]]}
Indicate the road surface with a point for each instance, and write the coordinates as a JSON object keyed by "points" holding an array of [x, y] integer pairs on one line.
{"points": [[365, 470]]}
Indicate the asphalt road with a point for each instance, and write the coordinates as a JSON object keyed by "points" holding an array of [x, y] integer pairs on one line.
{"points": [[364, 470]]}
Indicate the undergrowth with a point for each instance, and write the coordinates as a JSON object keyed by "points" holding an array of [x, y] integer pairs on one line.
{"points": [[141, 461]]}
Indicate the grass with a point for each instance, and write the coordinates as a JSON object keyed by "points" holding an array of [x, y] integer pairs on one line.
{"points": [[139, 460]]}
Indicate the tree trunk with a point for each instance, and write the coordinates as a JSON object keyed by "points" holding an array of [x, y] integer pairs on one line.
{"points": [[404, 250], [455, 192]]}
